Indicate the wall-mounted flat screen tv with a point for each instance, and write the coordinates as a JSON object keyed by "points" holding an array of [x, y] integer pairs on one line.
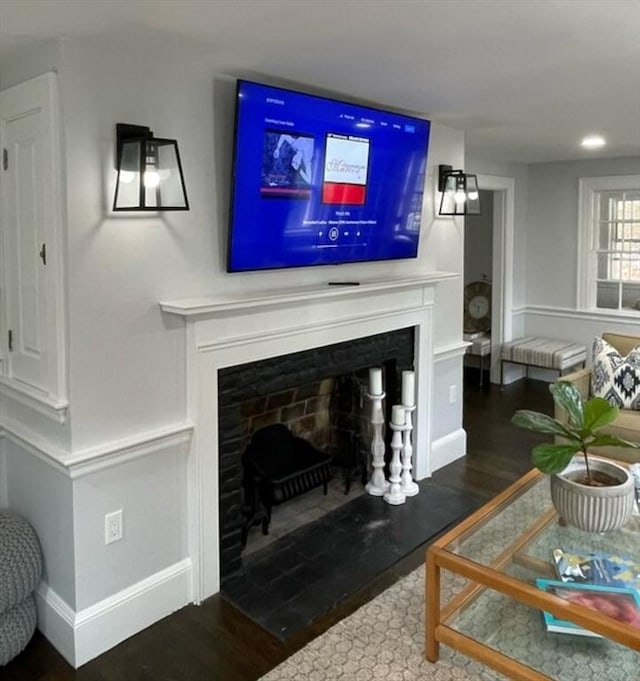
{"points": [[318, 181]]}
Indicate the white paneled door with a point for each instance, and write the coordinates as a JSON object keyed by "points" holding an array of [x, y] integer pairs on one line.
{"points": [[33, 346]]}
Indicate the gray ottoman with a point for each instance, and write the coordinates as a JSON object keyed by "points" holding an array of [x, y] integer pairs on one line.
{"points": [[20, 574]]}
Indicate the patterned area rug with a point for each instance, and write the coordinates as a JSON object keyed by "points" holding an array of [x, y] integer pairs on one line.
{"points": [[382, 641]]}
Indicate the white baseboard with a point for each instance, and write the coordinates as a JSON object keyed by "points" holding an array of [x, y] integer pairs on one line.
{"points": [[447, 449], [55, 621], [82, 636]]}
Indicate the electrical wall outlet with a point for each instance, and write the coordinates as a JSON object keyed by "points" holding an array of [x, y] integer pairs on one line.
{"points": [[453, 394], [113, 527]]}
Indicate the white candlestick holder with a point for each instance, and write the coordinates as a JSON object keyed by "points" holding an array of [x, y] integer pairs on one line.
{"points": [[409, 487], [394, 495], [377, 484]]}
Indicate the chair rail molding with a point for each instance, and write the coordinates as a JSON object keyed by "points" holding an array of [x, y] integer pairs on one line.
{"points": [[106, 455], [110, 454], [446, 352], [624, 317]]}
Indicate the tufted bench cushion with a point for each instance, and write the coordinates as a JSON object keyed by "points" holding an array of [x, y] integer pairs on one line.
{"points": [[20, 574], [546, 353]]}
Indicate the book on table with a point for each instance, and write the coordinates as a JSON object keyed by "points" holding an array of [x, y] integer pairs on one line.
{"points": [[619, 603], [597, 567]]}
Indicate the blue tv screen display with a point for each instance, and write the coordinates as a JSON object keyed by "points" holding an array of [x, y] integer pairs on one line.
{"points": [[317, 181]]}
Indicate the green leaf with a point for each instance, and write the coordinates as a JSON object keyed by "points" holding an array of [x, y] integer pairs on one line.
{"points": [[598, 413], [541, 423], [612, 441], [550, 458], [567, 396]]}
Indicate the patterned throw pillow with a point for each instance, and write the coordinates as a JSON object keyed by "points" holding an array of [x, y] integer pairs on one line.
{"points": [[614, 377]]}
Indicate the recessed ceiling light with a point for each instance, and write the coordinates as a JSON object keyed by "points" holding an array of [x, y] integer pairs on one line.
{"points": [[593, 142]]}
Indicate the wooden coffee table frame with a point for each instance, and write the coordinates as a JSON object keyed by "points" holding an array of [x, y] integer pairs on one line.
{"points": [[439, 557]]}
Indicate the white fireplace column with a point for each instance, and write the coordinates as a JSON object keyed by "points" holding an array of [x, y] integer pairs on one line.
{"points": [[225, 332]]}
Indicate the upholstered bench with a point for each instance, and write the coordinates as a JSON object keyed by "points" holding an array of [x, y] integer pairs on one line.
{"points": [[544, 353]]}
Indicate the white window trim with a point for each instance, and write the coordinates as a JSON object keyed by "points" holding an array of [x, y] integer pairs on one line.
{"points": [[587, 264]]}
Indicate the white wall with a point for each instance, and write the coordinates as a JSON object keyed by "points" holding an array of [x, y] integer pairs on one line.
{"points": [[553, 226], [47, 56], [152, 492], [442, 244], [43, 494], [120, 267], [552, 259], [128, 429], [545, 249]]}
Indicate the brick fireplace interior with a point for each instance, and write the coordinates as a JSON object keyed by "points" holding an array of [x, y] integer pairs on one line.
{"points": [[320, 395]]}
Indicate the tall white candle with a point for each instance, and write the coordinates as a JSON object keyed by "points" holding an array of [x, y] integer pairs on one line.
{"points": [[398, 415], [408, 388], [375, 381]]}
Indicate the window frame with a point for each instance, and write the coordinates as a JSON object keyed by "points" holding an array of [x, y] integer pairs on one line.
{"points": [[587, 265]]}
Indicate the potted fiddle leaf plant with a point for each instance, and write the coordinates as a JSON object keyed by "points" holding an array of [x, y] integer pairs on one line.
{"points": [[591, 493]]}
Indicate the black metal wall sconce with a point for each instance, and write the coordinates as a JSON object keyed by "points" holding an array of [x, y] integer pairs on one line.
{"points": [[459, 191], [150, 174]]}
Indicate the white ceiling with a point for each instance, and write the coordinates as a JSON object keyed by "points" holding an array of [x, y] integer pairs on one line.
{"points": [[526, 79]]}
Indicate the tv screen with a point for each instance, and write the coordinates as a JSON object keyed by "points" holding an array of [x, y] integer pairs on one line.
{"points": [[317, 181]]}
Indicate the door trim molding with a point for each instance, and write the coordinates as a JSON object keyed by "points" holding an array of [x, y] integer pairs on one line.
{"points": [[502, 272]]}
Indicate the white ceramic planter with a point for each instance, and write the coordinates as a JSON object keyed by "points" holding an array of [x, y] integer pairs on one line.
{"points": [[594, 509]]}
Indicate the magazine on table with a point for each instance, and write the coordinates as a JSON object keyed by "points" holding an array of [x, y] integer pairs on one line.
{"points": [[597, 567], [619, 603]]}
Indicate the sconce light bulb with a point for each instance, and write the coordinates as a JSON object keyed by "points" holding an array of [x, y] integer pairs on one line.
{"points": [[593, 142], [151, 179], [459, 197], [473, 195], [127, 176]]}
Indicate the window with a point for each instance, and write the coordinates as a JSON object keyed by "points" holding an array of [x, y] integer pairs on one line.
{"points": [[609, 243]]}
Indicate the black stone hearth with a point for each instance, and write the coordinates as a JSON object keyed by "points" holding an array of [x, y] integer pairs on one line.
{"points": [[287, 585], [239, 385]]}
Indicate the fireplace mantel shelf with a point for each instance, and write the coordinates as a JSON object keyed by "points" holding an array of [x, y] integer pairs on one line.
{"points": [[212, 305]]}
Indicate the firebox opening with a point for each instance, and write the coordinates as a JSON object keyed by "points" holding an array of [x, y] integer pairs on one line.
{"points": [[317, 396], [315, 432], [278, 466]]}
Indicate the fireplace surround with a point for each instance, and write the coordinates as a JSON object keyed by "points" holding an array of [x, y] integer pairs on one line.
{"points": [[223, 332]]}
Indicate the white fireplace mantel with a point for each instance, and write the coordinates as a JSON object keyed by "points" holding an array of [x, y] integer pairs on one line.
{"points": [[233, 330], [216, 305]]}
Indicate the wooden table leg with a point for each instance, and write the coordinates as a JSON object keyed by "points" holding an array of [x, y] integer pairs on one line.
{"points": [[432, 607]]}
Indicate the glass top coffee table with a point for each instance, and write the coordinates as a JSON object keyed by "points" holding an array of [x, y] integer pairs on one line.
{"points": [[482, 598]]}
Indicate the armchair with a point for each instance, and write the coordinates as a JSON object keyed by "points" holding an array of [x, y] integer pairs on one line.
{"points": [[627, 424]]}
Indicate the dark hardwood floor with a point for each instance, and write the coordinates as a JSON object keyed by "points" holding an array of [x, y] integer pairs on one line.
{"points": [[215, 642]]}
